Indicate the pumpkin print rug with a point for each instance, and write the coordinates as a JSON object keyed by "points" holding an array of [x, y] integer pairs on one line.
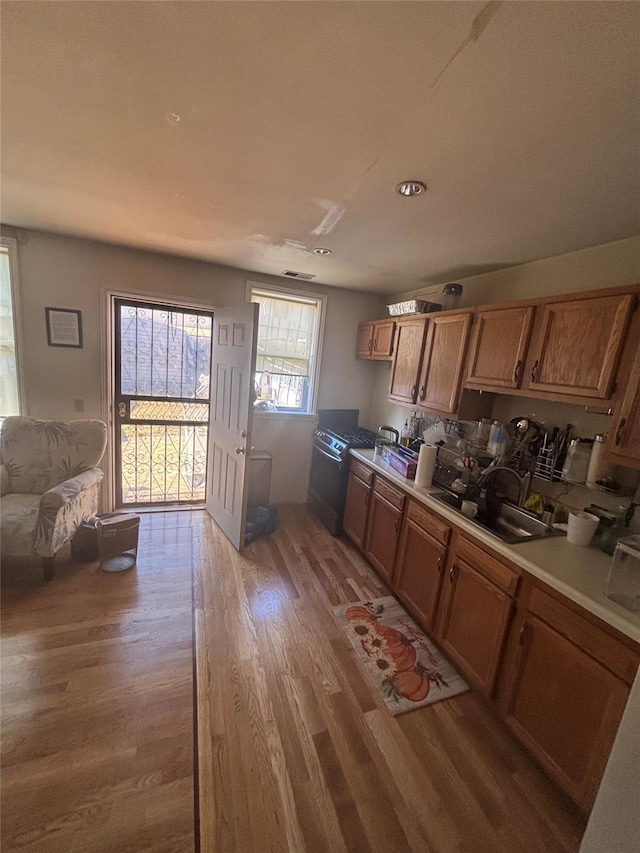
{"points": [[405, 666]]}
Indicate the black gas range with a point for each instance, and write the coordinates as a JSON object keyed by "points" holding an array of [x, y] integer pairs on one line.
{"points": [[337, 432]]}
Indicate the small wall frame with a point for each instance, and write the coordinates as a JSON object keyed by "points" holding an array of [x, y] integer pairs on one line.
{"points": [[64, 327]]}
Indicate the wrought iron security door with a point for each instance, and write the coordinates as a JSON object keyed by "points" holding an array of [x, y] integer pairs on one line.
{"points": [[162, 371]]}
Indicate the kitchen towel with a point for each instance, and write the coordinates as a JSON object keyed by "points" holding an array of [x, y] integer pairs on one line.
{"points": [[426, 464]]}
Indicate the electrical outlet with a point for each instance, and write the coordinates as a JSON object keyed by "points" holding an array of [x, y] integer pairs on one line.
{"points": [[78, 405]]}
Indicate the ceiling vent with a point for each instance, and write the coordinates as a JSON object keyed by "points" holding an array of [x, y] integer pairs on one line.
{"points": [[305, 276]]}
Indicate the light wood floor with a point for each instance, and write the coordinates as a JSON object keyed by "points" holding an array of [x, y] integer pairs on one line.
{"points": [[97, 701], [296, 750]]}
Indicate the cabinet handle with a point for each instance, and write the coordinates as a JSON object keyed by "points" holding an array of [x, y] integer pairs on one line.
{"points": [[370, 345], [523, 634], [534, 371], [440, 562], [423, 392], [375, 344], [516, 372], [396, 523], [621, 426], [414, 391], [367, 495], [452, 572]]}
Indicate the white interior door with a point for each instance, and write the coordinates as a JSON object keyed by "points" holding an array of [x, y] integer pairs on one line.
{"points": [[235, 332]]}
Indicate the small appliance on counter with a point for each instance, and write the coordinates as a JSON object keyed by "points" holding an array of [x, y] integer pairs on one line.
{"points": [[385, 436]]}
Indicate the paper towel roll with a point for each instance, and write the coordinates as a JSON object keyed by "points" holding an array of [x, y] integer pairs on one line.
{"points": [[426, 464]]}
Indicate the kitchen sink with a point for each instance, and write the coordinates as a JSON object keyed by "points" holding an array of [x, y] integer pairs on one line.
{"points": [[511, 524]]}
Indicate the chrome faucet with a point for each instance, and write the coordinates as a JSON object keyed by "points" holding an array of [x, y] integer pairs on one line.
{"points": [[524, 482]]}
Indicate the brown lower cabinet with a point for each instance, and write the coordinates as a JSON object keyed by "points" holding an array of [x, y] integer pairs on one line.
{"points": [[567, 693], [356, 511], [383, 532], [476, 608], [558, 676], [421, 561]]}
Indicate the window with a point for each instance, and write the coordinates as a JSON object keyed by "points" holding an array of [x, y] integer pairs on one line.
{"points": [[288, 347], [10, 402]]}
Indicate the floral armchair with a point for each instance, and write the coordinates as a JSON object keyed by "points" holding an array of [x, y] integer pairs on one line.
{"points": [[49, 484]]}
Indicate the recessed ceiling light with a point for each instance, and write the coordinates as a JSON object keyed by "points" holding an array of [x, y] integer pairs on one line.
{"points": [[321, 251], [410, 188]]}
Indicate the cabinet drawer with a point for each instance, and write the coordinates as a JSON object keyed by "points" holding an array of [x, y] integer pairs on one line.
{"points": [[428, 522], [495, 571], [395, 497], [611, 653], [362, 472]]}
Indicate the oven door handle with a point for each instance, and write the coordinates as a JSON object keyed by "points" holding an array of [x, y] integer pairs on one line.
{"points": [[329, 456]]}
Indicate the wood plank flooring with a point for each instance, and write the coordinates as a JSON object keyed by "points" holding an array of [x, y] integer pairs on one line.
{"points": [[296, 750], [97, 701]]}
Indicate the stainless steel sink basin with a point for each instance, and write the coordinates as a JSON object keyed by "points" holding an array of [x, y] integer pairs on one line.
{"points": [[511, 524]]}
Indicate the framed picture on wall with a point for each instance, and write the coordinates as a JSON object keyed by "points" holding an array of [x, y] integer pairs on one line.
{"points": [[64, 327]]}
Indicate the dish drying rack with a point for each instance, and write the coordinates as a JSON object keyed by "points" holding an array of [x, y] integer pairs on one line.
{"points": [[545, 467]]}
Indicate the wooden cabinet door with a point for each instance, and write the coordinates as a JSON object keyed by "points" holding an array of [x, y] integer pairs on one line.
{"points": [[565, 706], [383, 335], [625, 435], [419, 571], [356, 509], [476, 615], [410, 336], [383, 532], [498, 347], [364, 341], [443, 362], [577, 346]]}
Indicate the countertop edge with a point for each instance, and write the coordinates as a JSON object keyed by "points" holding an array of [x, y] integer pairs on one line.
{"points": [[586, 592]]}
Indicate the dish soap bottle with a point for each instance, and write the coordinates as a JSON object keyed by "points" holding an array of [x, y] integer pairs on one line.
{"points": [[616, 531], [405, 434]]}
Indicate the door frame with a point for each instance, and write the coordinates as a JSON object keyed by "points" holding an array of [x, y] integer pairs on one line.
{"points": [[109, 295]]}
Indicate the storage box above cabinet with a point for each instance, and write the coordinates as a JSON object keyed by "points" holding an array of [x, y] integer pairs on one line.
{"points": [[375, 340]]}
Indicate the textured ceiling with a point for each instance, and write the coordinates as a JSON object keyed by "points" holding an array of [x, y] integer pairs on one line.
{"points": [[247, 133]]}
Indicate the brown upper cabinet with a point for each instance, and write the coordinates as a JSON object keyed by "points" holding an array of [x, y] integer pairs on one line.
{"points": [[429, 360], [443, 362], [410, 335], [375, 340], [576, 345], [498, 347], [625, 441]]}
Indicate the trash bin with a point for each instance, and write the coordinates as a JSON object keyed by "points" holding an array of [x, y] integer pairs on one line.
{"points": [[259, 478], [118, 541], [84, 545]]}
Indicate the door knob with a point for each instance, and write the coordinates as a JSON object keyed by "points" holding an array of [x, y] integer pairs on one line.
{"points": [[241, 450], [243, 434]]}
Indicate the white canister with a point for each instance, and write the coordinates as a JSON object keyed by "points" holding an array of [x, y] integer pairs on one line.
{"points": [[599, 468], [581, 527]]}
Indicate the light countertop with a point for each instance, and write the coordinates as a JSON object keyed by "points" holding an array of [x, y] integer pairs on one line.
{"points": [[579, 573]]}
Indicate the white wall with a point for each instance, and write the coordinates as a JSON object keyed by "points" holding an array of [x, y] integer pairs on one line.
{"points": [[65, 272], [614, 825]]}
